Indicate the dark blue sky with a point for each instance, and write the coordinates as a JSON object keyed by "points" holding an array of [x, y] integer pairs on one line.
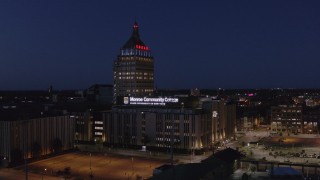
{"points": [[71, 44]]}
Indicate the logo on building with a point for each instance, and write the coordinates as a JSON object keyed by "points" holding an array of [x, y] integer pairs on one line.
{"points": [[214, 114], [126, 100]]}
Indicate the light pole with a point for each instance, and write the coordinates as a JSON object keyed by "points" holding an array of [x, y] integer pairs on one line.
{"points": [[91, 175], [132, 165], [90, 163], [45, 172]]}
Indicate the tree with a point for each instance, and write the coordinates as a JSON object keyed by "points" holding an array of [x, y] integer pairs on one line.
{"points": [[245, 176], [243, 143], [252, 168], [67, 172], [251, 153]]}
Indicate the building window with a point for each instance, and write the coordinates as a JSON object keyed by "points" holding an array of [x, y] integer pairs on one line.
{"points": [[98, 133]]}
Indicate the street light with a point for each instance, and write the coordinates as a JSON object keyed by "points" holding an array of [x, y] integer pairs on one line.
{"points": [[45, 172]]}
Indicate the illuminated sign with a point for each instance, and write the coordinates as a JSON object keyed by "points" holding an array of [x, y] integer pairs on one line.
{"points": [[214, 114], [142, 47], [149, 100]]}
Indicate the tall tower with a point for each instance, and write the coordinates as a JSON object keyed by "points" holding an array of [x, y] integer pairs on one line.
{"points": [[133, 70]]}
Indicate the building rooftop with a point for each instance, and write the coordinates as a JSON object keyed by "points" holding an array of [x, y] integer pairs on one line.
{"points": [[228, 155], [286, 173]]}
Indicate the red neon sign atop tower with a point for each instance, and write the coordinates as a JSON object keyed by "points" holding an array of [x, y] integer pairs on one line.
{"points": [[142, 47]]}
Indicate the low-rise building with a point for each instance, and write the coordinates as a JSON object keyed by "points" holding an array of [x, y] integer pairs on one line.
{"points": [[31, 131], [186, 123]]}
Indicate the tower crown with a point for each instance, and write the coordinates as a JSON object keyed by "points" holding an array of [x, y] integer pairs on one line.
{"points": [[134, 41]]}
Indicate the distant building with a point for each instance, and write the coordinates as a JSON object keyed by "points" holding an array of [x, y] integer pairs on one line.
{"points": [[100, 93], [249, 122], [295, 119], [83, 126], [195, 92], [133, 70], [286, 119], [223, 118], [311, 120]]}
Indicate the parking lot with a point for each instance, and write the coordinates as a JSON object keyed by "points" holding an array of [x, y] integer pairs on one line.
{"points": [[294, 148], [84, 165]]}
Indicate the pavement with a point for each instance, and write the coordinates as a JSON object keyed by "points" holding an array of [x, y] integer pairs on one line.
{"points": [[13, 174]]}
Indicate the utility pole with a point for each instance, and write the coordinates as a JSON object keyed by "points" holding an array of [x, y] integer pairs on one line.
{"points": [[25, 142], [132, 165]]}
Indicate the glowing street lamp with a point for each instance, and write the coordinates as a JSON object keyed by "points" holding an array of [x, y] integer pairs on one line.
{"points": [[45, 172]]}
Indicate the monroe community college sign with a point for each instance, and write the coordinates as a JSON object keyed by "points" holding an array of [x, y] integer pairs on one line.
{"points": [[149, 100]]}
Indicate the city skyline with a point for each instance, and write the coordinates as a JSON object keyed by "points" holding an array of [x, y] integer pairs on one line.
{"points": [[72, 44]]}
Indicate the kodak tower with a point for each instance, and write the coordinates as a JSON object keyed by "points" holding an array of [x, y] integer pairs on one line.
{"points": [[133, 70]]}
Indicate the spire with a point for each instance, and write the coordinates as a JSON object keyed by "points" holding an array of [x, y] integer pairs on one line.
{"points": [[135, 25], [135, 32]]}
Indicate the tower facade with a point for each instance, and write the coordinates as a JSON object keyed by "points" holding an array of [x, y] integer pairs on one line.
{"points": [[133, 70]]}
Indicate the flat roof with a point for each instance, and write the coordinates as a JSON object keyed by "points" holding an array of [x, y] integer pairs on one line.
{"points": [[285, 171]]}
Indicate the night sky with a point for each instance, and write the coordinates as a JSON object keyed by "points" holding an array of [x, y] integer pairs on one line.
{"points": [[71, 44]]}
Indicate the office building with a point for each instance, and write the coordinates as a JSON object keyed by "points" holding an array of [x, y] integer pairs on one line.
{"points": [[189, 123], [286, 119], [133, 70]]}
